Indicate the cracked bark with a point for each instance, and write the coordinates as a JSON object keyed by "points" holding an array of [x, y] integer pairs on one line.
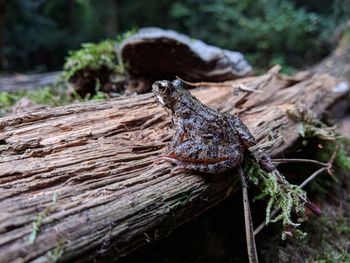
{"points": [[97, 161]]}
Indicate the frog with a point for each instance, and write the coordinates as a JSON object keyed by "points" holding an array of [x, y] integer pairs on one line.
{"points": [[205, 140]]}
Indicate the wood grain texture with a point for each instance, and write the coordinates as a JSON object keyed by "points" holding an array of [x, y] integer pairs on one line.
{"points": [[98, 160]]}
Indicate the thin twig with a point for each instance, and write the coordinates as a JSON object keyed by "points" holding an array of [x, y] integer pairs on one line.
{"points": [[299, 161], [206, 84], [251, 246], [263, 224], [219, 84], [312, 177]]}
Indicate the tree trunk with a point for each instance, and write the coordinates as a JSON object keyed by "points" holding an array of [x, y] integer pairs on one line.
{"points": [[83, 180]]}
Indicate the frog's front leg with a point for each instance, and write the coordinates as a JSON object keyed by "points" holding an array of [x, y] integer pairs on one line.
{"points": [[249, 141], [179, 135]]}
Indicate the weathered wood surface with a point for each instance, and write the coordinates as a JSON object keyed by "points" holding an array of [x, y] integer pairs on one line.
{"points": [[97, 160]]}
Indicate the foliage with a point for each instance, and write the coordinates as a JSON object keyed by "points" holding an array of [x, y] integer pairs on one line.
{"points": [[39, 218], [98, 96], [268, 31], [51, 96], [288, 32], [328, 238], [332, 232], [309, 124], [91, 56], [56, 254], [38, 33], [342, 158], [286, 196]]}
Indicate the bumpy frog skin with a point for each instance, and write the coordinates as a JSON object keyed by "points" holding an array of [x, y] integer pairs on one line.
{"points": [[205, 140]]}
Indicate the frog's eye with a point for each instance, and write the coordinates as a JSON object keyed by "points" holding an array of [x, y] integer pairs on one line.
{"points": [[163, 86], [185, 114], [164, 89]]}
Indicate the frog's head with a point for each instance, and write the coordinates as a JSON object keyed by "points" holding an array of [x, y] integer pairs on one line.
{"points": [[163, 90], [167, 92]]}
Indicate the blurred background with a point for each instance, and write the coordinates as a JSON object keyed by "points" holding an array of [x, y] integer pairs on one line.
{"points": [[36, 35]]}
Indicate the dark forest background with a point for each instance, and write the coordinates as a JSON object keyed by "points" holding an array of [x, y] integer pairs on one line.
{"points": [[35, 35]]}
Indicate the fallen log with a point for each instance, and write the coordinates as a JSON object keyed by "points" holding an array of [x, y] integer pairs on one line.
{"points": [[12, 83], [81, 181]]}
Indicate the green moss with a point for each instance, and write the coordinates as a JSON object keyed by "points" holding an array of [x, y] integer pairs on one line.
{"points": [[49, 96], [94, 56], [280, 195], [39, 218], [98, 96], [345, 38], [328, 239], [309, 124], [342, 159], [332, 231], [91, 56], [55, 255], [36, 225], [287, 196]]}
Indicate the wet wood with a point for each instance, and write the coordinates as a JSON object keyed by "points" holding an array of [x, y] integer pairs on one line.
{"points": [[81, 181]]}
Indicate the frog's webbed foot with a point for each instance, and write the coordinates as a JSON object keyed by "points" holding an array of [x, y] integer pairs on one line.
{"points": [[170, 159], [179, 166]]}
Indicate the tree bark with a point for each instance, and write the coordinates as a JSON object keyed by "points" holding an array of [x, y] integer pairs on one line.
{"points": [[82, 180]]}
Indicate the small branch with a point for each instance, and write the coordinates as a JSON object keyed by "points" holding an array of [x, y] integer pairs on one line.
{"points": [[263, 224], [313, 176], [218, 84], [299, 161], [206, 84], [251, 246]]}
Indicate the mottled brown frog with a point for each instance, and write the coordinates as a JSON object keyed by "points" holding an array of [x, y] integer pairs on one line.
{"points": [[205, 140]]}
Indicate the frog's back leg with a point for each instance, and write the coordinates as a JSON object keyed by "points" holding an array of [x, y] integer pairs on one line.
{"points": [[248, 141], [242, 131]]}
